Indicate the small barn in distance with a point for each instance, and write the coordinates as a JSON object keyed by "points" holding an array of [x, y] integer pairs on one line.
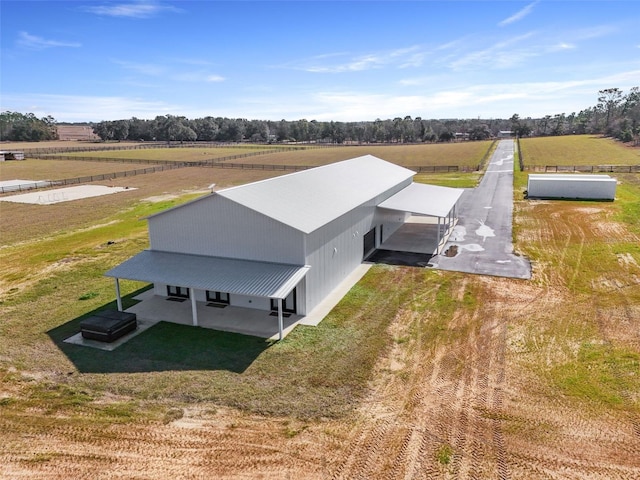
{"points": [[11, 155], [572, 186], [282, 245]]}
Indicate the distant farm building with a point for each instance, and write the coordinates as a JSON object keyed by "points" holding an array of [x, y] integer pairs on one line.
{"points": [[282, 245], [572, 186], [11, 155], [505, 134], [76, 132]]}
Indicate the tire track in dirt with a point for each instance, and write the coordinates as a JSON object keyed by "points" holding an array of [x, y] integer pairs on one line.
{"points": [[632, 413], [452, 389]]}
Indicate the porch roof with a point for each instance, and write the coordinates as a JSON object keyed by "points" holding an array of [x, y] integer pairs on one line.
{"points": [[424, 199], [235, 276]]}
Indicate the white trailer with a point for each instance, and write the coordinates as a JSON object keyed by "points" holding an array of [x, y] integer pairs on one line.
{"points": [[572, 186]]}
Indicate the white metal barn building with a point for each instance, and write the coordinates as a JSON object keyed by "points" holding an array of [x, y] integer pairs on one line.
{"points": [[285, 243], [572, 186]]}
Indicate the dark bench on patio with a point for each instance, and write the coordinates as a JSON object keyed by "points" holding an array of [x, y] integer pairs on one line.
{"points": [[108, 325]]}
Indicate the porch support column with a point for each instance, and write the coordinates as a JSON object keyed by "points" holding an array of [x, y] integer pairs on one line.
{"points": [[279, 319], [194, 310], [118, 296]]}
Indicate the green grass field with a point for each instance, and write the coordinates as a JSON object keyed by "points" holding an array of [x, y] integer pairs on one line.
{"points": [[572, 150]]}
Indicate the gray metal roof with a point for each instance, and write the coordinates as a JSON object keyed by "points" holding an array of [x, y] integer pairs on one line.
{"points": [[309, 199], [424, 199], [243, 277]]}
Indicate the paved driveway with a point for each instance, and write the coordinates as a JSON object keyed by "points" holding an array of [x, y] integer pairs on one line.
{"points": [[483, 235]]}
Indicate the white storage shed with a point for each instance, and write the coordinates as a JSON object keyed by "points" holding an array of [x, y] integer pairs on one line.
{"points": [[572, 186], [281, 244]]}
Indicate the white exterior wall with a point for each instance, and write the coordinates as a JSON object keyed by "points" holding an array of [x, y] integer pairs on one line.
{"points": [[592, 187], [390, 221], [260, 303], [336, 249], [236, 232]]}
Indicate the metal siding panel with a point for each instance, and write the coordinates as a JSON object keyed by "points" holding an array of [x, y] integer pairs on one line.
{"points": [[219, 227], [345, 234], [572, 186]]}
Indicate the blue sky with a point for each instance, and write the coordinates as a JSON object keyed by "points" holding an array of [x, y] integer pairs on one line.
{"points": [[86, 60]]}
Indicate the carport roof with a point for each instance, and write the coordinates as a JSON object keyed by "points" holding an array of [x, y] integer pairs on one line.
{"points": [[424, 199], [216, 274]]}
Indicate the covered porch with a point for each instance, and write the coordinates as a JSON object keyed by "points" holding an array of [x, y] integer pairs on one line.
{"points": [[247, 321], [433, 215], [192, 275]]}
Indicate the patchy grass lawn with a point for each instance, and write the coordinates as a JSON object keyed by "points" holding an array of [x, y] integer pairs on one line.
{"points": [[414, 371], [315, 372]]}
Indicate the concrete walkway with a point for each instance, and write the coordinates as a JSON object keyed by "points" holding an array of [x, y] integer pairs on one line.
{"points": [[482, 241]]}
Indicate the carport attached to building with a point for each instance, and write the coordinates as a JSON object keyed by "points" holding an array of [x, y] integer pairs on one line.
{"points": [[212, 274], [433, 216]]}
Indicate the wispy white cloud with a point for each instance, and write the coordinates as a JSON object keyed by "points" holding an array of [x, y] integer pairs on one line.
{"points": [[34, 42], [401, 58], [516, 17], [501, 55], [151, 69], [171, 72], [489, 100], [591, 33], [558, 47], [141, 9]]}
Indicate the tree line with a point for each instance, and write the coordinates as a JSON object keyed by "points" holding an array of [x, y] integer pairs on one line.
{"points": [[19, 127], [218, 129], [616, 115]]}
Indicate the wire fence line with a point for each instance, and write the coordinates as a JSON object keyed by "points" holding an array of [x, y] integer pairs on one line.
{"points": [[574, 168], [169, 165], [582, 168], [85, 179], [33, 152], [49, 156]]}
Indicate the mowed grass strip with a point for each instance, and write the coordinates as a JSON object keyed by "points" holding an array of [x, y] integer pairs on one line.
{"points": [[26, 146], [571, 150], [186, 154], [36, 170]]}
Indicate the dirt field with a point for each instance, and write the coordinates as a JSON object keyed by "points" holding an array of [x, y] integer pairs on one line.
{"points": [[497, 379], [46, 219]]}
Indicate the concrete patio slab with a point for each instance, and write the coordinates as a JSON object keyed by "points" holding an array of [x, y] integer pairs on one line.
{"points": [[247, 321], [78, 339], [417, 235]]}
